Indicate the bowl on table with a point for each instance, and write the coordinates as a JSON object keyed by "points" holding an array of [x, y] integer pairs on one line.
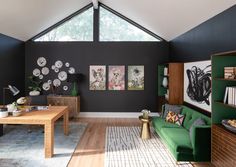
{"points": [[229, 124], [16, 113], [3, 112]]}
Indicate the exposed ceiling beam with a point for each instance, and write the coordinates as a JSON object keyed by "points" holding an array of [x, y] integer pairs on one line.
{"points": [[95, 4]]}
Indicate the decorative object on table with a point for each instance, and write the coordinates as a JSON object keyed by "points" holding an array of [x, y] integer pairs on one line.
{"points": [[41, 62], [21, 101], [12, 107], [229, 124], [34, 86], [74, 79], [145, 129], [3, 112], [165, 82], [16, 113], [135, 77], [229, 72], [116, 78], [145, 113], [13, 90], [97, 77], [197, 84], [165, 71]]}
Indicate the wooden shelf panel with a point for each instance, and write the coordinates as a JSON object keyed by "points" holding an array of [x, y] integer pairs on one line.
{"points": [[226, 105], [223, 79]]}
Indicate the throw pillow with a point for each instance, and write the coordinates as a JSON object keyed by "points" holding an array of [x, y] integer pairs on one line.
{"points": [[197, 122], [173, 108], [179, 119], [171, 117]]}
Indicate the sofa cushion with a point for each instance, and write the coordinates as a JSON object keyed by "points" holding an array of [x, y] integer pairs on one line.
{"points": [[171, 117], [173, 108], [197, 122], [159, 123], [178, 139], [191, 115], [179, 119]]}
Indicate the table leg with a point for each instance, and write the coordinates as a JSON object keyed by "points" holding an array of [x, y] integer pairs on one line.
{"points": [[1, 129], [66, 123], [145, 133], [49, 139]]}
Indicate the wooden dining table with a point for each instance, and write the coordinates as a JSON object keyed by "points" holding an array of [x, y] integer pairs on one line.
{"points": [[47, 118]]}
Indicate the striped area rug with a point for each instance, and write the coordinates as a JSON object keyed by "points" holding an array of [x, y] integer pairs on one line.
{"points": [[125, 148]]}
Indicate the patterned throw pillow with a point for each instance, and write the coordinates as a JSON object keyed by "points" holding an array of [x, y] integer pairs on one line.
{"points": [[179, 119], [171, 117]]}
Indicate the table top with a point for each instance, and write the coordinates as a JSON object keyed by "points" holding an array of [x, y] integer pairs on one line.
{"points": [[149, 119], [36, 117]]}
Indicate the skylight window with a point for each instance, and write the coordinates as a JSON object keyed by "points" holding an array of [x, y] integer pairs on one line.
{"points": [[78, 28], [114, 28]]}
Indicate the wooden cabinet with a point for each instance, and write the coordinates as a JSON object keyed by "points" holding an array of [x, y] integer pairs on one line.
{"points": [[73, 102], [223, 147], [175, 86]]}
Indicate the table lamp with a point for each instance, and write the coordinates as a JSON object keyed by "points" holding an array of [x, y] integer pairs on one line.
{"points": [[14, 92], [74, 78]]}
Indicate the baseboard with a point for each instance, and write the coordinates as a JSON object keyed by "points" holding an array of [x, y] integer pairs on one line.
{"points": [[112, 114]]}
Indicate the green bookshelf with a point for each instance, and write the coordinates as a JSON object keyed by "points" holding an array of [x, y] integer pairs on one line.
{"points": [[220, 110]]}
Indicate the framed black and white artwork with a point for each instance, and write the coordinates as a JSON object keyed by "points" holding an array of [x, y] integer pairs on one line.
{"points": [[197, 84]]}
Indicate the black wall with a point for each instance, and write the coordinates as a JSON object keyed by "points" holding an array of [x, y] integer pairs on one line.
{"points": [[82, 54], [215, 35], [11, 65]]}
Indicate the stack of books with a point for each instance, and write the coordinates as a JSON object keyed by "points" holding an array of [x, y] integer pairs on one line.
{"points": [[230, 95], [229, 72]]}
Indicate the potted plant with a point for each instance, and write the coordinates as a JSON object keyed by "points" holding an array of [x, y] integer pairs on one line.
{"points": [[146, 113], [35, 86]]}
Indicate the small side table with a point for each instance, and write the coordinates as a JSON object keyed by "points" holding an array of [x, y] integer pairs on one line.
{"points": [[145, 129]]}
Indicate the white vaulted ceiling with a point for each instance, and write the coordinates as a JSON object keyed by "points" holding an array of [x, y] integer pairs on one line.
{"points": [[23, 19]]}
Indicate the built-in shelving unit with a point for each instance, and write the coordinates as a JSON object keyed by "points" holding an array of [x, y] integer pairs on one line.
{"points": [[175, 84], [220, 110]]}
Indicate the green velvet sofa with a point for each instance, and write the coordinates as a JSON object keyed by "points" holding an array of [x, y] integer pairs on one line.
{"points": [[196, 148]]}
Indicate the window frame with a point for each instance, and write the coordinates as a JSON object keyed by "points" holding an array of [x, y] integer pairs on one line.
{"points": [[62, 22]]}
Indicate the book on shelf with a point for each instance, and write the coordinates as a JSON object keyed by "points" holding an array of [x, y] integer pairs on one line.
{"points": [[230, 95]]}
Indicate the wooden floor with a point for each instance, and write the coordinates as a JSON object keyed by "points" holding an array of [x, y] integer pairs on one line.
{"points": [[91, 148]]}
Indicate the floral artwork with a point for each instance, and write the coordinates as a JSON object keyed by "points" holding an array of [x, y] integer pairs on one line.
{"points": [[97, 77], [135, 77], [116, 78]]}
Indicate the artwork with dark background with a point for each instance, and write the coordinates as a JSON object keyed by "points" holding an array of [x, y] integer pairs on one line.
{"points": [[197, 84]]}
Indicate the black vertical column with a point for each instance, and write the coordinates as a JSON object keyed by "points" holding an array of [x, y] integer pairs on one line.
{"points": [[96, 25], [1, 129]]}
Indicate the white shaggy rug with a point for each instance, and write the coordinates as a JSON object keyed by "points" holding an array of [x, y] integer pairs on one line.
{"points": [[125, 148], [18, 148]]}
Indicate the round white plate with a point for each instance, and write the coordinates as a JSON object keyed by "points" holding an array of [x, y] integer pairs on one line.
{"points": [[45, 71], [36, 72], [71, 70], [65, 88], [67, 64], [56, 70], [62, 75], [41, 61], [58, 64], [56, 82], [46, 86], [53, 67], [40, 76]]}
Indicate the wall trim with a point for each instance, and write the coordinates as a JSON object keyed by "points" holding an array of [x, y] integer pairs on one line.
{"points": [[113, 114]]}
